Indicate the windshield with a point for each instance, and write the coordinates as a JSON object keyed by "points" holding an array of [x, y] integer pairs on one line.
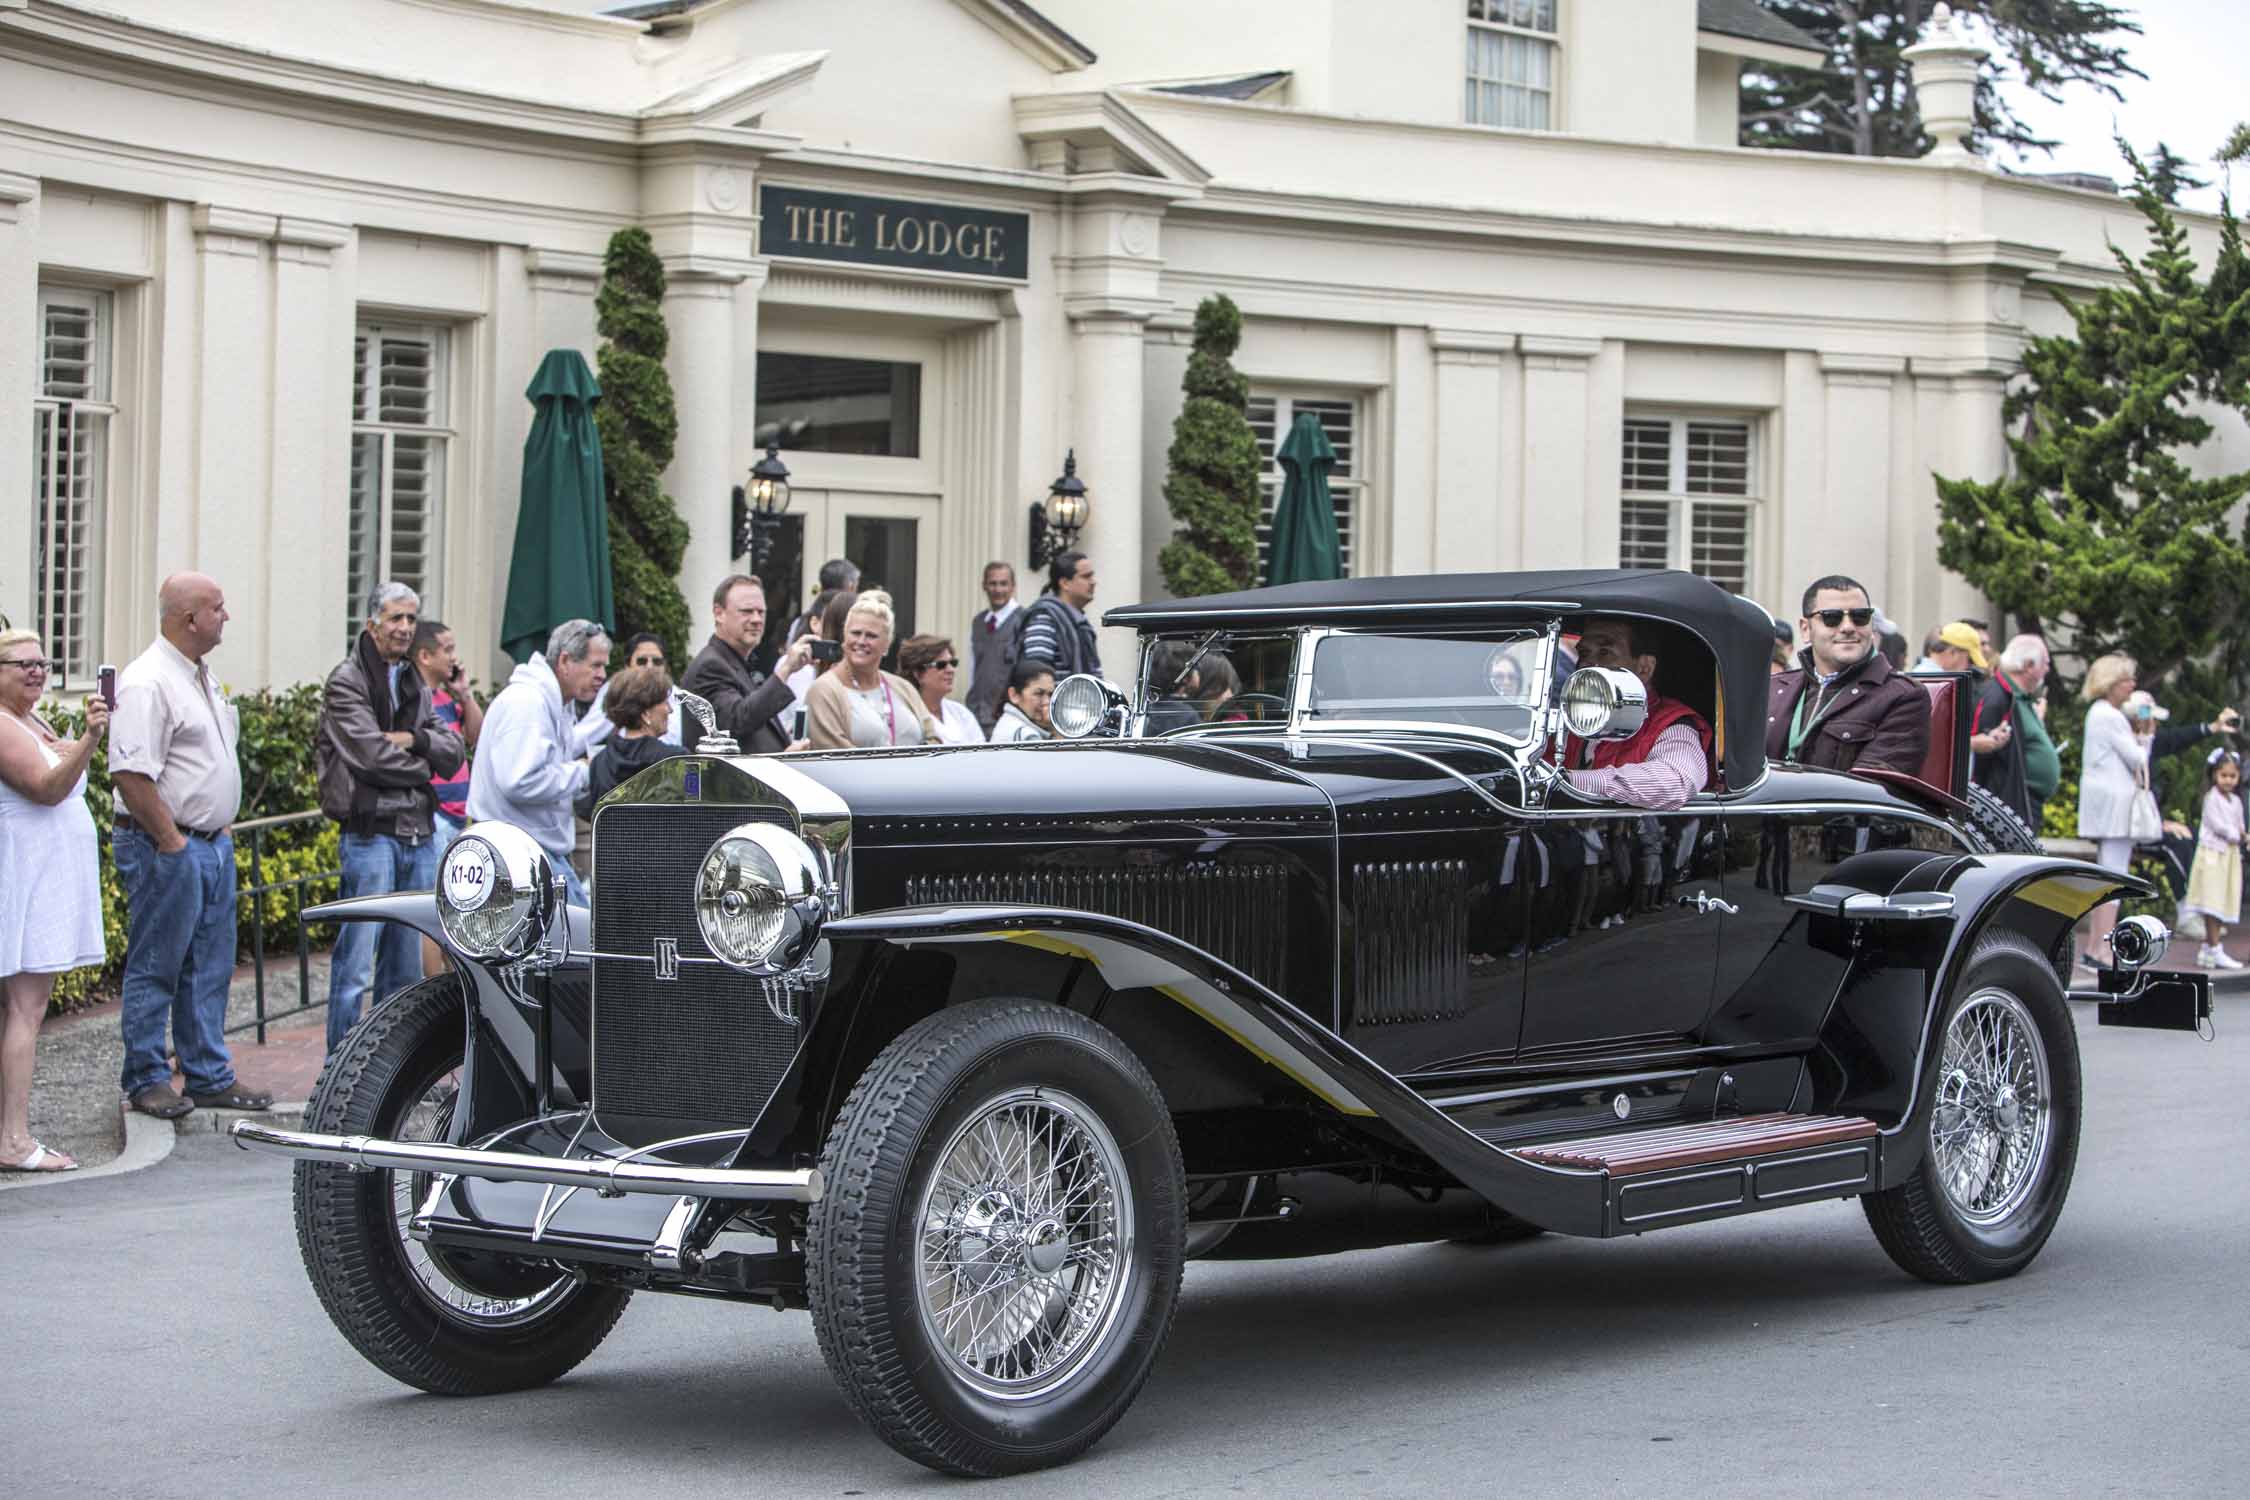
{"points": [[1216, 677], [1482, 680]]}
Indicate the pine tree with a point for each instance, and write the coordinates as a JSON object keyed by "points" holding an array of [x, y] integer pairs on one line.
{"points": [[1212, 485], [638, 428], [2169, 174], [1862, 102], [2104, 535]]}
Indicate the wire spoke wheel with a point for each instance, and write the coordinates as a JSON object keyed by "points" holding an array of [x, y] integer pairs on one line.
{"points": [[427, 1117], [1990, 1131], [1023, 1250]]}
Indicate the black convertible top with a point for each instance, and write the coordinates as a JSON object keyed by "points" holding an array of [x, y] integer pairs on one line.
{"points": [[1737, 633]]}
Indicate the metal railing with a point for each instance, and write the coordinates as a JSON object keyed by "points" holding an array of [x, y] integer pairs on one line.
{"points": [[257, 891]]}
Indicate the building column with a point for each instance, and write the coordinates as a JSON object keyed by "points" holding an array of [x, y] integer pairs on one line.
{"points": [[308, 453], [1960, 434], [1855, 470], [699, 311], [1556, 400], [1473, 529], [230, 505], [19, 381], [1105, 433], [563, 283]]}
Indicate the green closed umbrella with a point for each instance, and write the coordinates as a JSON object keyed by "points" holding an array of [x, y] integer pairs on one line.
{"points": [[1304, 546], [559, 569]]}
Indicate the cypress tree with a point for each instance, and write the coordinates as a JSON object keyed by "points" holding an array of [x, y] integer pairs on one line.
{"points": [[1212, 484], [639, 427], [2104, 536]]}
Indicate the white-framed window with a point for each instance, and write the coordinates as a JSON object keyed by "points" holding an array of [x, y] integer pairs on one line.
{"points": [[1511, 73], [71, 420], [401, 426], [1271, 416], [1689, 496]]}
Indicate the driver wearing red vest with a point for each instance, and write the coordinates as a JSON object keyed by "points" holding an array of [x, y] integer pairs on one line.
{"points": [[1663, 764]]}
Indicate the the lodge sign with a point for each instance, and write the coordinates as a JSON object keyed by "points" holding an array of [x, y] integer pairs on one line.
{"points": [[893, 232]]}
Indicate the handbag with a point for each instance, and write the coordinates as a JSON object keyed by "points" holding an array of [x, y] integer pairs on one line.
{"points": [[2145, 824]]}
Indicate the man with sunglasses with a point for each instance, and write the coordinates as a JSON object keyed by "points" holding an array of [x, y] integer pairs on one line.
{"points": [[1844, 707]]}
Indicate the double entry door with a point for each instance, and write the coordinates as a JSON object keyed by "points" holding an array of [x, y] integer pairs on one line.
{"points": [[892, 537]]}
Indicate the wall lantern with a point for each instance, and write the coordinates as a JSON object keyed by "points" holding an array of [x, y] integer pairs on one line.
{"points": [[1056, 520], [766, 500]]}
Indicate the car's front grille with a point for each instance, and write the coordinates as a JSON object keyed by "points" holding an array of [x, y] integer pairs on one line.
{"points": [[708, 1047]]}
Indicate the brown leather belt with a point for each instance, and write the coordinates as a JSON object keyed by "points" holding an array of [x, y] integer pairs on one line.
{"points": [[127, 825]]}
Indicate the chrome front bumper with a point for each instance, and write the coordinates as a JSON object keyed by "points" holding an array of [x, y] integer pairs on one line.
{"points": [[610, 1177]]}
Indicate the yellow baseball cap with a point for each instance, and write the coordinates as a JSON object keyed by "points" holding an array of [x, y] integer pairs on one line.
{"points": [[1965, 637]]}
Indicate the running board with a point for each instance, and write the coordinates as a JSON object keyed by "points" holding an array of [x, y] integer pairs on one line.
{"points": [[1683, 1174]]}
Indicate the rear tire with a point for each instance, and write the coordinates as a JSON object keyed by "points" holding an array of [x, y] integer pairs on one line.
{"points": [[452, 1325], [2002, 1115], [995, 1263], [1999, 827]]}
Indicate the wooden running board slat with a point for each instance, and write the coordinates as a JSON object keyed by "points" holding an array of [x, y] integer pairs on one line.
{"points": [[1633, 1152]]}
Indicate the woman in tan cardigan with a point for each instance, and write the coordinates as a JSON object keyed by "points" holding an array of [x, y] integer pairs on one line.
{"points": [[856, 703]]}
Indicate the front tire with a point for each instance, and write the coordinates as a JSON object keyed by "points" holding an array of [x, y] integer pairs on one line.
{"points": [[994, 1265], [450, 1324], [2001, 1137]]}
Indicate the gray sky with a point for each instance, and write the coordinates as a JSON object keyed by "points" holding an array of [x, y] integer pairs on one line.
{"points": [[2196, 54]]}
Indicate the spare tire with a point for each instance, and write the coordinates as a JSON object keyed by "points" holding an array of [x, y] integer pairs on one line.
{"points": [[1999, 828]]}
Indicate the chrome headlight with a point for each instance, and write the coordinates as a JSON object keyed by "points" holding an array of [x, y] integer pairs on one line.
{"points": [[761, 896], [1602, 703], [497, 892], [1082, 704], [2138, 942]]}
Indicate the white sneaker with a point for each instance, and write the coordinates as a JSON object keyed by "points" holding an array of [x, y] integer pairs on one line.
{"points": [[2221, 959], [2207, 957]]}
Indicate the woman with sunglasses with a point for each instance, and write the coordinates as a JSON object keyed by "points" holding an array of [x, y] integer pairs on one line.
{"points": [[50, 881], [932, 665]]}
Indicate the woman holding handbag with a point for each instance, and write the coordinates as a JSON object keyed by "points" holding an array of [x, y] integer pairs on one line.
{"points": [[2116, 808]]}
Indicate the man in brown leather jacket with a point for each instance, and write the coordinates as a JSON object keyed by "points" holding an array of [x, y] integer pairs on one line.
{"points": [[1845, 708]]}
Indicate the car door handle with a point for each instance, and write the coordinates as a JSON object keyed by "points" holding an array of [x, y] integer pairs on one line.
{"points": [[1705, 903]]}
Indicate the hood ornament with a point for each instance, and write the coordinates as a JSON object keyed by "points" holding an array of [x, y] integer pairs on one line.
{"points": [[714, 740]]}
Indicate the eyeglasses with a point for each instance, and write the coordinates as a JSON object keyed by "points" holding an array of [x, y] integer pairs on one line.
{"points": [[32, 664], [945, 665], [1835, 617]]}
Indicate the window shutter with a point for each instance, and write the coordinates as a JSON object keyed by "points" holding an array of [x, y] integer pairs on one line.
{"points": [[1687, 497], [1648, 456], [70, 455], [397, 464], [1718, 458]]}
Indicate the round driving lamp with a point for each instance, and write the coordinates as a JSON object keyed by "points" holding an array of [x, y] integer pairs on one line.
{"points": [[2138, 942], [497, 891], [1080, 704], [1602, 703], [760, 898]]}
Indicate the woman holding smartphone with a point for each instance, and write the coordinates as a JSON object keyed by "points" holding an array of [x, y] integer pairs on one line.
{"points": [[50, 880]]}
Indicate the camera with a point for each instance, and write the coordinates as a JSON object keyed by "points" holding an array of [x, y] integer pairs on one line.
{"points": [[827, 651]]}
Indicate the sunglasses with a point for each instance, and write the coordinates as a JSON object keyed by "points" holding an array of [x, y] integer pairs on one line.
{"points": [[32, 664], [945, 665], [1835, 617]]}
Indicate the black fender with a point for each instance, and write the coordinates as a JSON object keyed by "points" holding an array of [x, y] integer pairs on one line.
{"points": [[499, 1059], [2042, 897], [1241, 1013]]}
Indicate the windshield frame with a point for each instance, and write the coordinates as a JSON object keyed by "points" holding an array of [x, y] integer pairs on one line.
{"points": [[1539, 691]]}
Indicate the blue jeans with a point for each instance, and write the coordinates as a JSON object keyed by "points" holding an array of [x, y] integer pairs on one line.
{"points": [[374, 865], [574, 889], [179, 960]]}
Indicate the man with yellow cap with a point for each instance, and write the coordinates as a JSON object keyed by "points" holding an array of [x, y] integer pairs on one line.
{"points": [[1953, 648]]}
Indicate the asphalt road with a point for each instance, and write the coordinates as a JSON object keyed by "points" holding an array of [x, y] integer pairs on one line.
{"points": [[160, 1338]]}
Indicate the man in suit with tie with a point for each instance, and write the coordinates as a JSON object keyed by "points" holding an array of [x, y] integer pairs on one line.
{"points": [[992, 644]]}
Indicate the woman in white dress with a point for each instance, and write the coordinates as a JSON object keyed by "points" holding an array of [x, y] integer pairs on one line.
{"points": [[856, 704], [931, 664], [2114, 778], [50, 881]]}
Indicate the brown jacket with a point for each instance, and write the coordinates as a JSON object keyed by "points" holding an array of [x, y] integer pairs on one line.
{"points": [[368, 784], [828, 710], [1869, 717]]}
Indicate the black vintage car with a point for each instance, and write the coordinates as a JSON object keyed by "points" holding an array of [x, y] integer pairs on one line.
{"points": [[968, 1050]]}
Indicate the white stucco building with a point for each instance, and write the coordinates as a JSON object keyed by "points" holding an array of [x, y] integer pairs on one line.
{"points": [[273, 277]]}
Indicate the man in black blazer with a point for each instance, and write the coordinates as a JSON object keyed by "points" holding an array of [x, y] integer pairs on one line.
{"points": [[748, 703]]}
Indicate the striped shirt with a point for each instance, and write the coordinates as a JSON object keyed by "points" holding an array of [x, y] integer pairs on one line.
{"points": [[452, 791]]}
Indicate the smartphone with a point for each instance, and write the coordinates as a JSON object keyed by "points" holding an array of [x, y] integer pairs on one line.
{"points": [[797, 724], [830, 651], [105, 683]]}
